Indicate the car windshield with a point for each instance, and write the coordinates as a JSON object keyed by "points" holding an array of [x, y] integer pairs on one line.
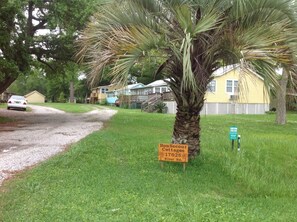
{"points": [[18, 97]]}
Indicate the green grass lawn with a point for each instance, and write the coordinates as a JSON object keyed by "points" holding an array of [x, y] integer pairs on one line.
{"points": [[3, 105], [114, 175], [70, 107], [4, 119], [67, 107]]}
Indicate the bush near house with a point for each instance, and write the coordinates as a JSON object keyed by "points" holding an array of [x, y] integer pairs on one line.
{"points": [[160, 107]]}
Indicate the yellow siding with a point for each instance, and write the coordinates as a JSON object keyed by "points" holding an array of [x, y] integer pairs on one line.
{"points": [[251, 88], [97, 92], [35, 98], [102, 96]]}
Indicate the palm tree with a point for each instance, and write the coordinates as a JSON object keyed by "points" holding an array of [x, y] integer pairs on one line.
{"points": [[194, 38]]}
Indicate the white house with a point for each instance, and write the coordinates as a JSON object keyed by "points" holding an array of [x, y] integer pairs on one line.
{"points": [[158, 86], [113, 95]]}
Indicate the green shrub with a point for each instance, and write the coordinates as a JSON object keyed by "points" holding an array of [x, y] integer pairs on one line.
{"points": [[160, 107], [61, 98], [103, 102]]}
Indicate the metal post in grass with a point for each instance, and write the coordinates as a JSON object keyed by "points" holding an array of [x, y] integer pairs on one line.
{"points": [[238, 143]]}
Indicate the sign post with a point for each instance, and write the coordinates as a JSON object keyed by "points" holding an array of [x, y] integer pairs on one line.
{"points": [[173, 153], [238, 143], [233, 135]]}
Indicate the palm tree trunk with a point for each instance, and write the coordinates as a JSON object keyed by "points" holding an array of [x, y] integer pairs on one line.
{"points": [[71, 92], [187, 127], [187, 131]]}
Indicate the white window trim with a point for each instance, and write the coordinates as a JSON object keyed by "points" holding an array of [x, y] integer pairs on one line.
{"points": [[159, 89], [233, 86], [215, 86]]}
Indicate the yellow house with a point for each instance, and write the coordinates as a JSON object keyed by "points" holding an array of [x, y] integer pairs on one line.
{"points": [[35, 97], [98, 94], [233, 91]]}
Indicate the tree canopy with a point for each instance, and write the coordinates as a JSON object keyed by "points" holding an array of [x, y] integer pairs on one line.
{"points": [[38, 31]]}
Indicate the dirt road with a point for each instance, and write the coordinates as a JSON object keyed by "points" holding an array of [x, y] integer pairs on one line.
{"points": [[35, 136]]}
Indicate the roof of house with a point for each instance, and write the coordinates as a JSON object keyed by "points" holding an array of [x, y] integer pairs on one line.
{"points": [[156, 83], [105, 86], [129, 87], [226, 69], [35, 91], [135, 85], [132, 86], [138, 87]]}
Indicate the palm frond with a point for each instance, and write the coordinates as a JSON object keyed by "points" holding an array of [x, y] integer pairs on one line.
{"points": [[196, 36], [188, 80]]}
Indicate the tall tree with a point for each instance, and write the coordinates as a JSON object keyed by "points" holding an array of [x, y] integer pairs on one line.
{"points": [[38, 30], [58, 83], [197, 37], [52, 85], [36, 80], [145, 69], [281, 93], [287, 84]]}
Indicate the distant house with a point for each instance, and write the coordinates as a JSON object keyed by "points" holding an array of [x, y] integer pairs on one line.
{"points": [[144, 93], [158, 86], [146, 97], [233, 92], [113, 95], [35, 97], [99, 94]]}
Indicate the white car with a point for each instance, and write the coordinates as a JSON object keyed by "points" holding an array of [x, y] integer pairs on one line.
{"points": [[17, 102]]}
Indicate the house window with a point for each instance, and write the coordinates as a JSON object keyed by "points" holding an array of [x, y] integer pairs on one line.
{"points": [[163, 89], [232, 86], [211, 87], [157, 90], [236, 89]]}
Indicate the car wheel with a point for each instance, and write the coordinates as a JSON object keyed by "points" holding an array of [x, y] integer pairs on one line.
{"points": [[24, 109], [8, 108]]}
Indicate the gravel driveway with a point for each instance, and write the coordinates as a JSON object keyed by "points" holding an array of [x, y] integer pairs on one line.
{"points": [[42, 133]]}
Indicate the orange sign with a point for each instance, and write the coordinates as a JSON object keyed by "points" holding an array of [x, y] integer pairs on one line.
{"points": [[173, 152]]}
